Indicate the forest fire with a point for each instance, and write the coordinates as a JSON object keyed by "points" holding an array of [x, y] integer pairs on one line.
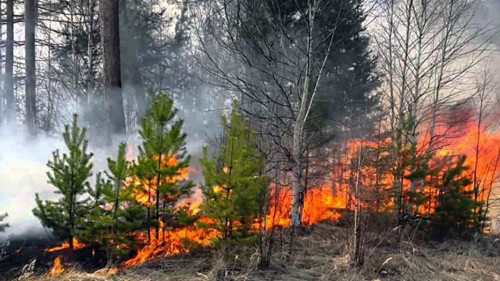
{"points": [[167, 242], [481, 149], [327, 197], [76, 246], [57, 269], [171, 243], [321, 204], [323, 201], [145, 190], [260, 131]]}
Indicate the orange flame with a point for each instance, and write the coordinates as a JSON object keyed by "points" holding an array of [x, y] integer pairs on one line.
{"points": [[76, 246], [57, 269], [321, 204], [325, 197], [145, 191], [171, 243]]}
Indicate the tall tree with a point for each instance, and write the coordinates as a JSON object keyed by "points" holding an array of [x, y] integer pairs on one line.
{"points": [[425, 48], [110, 40], [30, 102], [10, 99], [291, 62], [133, 86]]}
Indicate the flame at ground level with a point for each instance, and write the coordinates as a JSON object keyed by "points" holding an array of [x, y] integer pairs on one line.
{"points": [[171, 243], [321, 205], [57, 269], [324, 198], [76, 246]]}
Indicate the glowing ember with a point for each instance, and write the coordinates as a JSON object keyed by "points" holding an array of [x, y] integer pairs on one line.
{"points": [[57, 269], [76, 246]]}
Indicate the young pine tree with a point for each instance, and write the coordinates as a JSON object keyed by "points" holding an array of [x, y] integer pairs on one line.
{"points": [[164, 145], [234, 185], [112, 210], [69, 174], [456, 206], [93, 231], [125, 215], [144, 171]]}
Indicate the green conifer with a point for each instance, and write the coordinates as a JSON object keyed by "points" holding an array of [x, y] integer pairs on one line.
{"points": [[164, 142], [234, 185], [455, 203], [144, 171], [124, 215], [69, 174]]}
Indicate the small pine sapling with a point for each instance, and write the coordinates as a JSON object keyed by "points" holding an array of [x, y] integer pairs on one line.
{"points": [[234, 184], [69, 174], [164, 142]]}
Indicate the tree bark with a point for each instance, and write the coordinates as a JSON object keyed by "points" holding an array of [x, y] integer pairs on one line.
{"points": [[30, 89], [2, 95], [131, 75], [110, 40], [9, 66]]}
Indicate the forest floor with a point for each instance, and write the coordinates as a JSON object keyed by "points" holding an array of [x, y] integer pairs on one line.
{"points": [[321, 254]]}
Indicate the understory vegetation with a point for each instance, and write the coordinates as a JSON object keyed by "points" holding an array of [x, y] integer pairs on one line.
{"points": [[249, 140], [322, 254]]}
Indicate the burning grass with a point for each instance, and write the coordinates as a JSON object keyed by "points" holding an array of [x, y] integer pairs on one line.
{"points": [[57, 269], [322, 255]]}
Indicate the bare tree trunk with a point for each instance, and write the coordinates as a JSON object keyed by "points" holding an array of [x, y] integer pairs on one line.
{"points": [[132, 80], [2, 95], [110, 40], [10, 100], [357, 218], [297, 188], [90, 83], [421, 25], [50, 100], [30, 102]]}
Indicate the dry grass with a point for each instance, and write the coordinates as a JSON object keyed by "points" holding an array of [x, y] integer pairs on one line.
{"points": [[322, 255]]}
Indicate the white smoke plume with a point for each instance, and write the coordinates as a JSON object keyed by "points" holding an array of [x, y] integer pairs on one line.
{"points": [[22, 174]]}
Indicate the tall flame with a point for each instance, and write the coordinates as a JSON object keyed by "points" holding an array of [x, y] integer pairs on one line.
{"points": [[57, 269]]}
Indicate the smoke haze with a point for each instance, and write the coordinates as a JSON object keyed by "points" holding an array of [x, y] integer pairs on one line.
{"points": [[22, 174]]}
